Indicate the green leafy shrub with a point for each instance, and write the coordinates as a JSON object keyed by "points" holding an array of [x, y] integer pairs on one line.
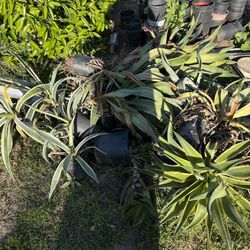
{"points": [[52, 29], [243, 38]]}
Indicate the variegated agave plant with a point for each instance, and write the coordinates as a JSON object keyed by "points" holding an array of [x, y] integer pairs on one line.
{"points": [[225, 118], [203, 186]]}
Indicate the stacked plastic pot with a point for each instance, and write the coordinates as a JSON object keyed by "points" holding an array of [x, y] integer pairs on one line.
{"points": [[213, 13], [156, 13], [130, 27]]}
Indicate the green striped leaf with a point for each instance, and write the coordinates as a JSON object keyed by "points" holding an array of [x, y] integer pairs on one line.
{"points": [[88, 170], [233, 151]]}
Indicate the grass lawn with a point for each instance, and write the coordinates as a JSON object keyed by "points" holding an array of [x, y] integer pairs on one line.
{"points": [[86, 217]]}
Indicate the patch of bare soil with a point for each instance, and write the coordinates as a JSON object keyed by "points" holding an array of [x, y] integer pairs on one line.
{"points": [[9, 200]]}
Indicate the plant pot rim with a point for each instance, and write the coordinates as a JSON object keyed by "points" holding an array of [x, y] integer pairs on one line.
{"points": [[244, 66], [202, 3], [219, 16]]}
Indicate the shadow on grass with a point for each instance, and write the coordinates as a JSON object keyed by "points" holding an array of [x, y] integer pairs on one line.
{"points": [[88, 217]]}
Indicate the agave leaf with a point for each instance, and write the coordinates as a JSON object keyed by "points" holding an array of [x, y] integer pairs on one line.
{"points": [[240, 126], [233, 214], [94, 115], [236, 182], [200, 215], [4, 120], [174, 210], [54, 75], [210, 151], [233, 151], [6, 146], [239, 199], [245, 111], [54, 141], [31, 112], [5, 104], [142, 124], [188, 35], [85, 166], [173, 76], [218, 193], [147, 57], [54, 87], [178, 159], [192, 154], [164, 87], [35, 91], [223, 166], [87, 139], [57, 175], [29, 131], [177, 176], [154, 108], [218, 215], [186, 212], [242, 172], [221, 99], [146, 92], [184, 193]]}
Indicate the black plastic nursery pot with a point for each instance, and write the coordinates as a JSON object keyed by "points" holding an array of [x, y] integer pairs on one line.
{"points": [[126, 15], [228, 31], [82, 126], [203, 12], [112, 147], [192, 131], [221, 6], [156, 13], [142, 9], [133, 29], [235, 15]]}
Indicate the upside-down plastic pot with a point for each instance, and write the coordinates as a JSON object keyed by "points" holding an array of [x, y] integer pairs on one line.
{"points": [[203, 13], [126, 15], [228, 31], [221, 6], [133, 28], [156, 14], [112, 147], [235, 15], [79, 65]]}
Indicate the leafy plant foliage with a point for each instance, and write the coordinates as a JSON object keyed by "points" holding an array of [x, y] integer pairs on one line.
{"points": [[52, 29]]}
